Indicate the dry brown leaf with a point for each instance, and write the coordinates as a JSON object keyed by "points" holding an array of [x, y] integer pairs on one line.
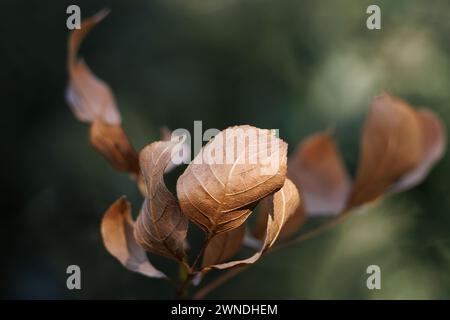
{"points": [[89, 97], [260, 227], [221, 186], [317, 170], [291, 225], [285, 202], [111, 141], [160, 227], [184, 154], [117, 232], [223, 246], [391, 147], [434, 143], [293, 222], [92, 101]]}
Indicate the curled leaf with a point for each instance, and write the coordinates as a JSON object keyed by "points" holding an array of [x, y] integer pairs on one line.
{"points": [[184, 153], [434, 143], [259, 230], [285, 202], [317, 170], [224, 182], [117, 231], [91, 100], [290, 227], [292, 224], [89, 97], [223, 246], [160, 227], [391, 148], [111, 141]]}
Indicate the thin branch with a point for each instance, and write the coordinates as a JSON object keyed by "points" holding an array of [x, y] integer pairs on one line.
{"points": [[186, 266], [314, 232], [182, 290], [192, 271], [200, 294]]}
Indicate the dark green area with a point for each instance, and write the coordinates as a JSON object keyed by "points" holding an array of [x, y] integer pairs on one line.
{"points": [[300, 66]]}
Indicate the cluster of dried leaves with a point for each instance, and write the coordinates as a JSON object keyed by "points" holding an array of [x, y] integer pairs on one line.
{"points": [[399, 146]]}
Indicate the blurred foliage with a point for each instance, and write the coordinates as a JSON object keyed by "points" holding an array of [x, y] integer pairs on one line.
{"points": [[301, 66]]}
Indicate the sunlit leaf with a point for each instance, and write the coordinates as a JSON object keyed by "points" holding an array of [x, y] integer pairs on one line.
{"points": [[285, 202], [222, 185], [160, 227], [317, 170], [434, 142], [391, 147], [112, 142], [89, 97], [117, 231]]}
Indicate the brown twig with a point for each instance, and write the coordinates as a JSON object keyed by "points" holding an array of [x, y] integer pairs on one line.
{"points": [[200, 294], [182, 290], [314, 232], [192, 271]]}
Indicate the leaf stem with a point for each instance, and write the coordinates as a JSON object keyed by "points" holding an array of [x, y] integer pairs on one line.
{"points": [[182, 290], [192, 271], [202, 251], [314, 232]]}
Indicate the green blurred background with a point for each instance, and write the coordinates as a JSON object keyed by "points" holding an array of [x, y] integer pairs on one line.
{"points": [[300, 66]]}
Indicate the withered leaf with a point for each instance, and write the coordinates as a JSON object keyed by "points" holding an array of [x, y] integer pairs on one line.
{"points": [[224, 246], [184, 153], [117, 231], [293, 222], [317, 170], [112, 142], [224, 182], [290, 227], [390, 148], [285, 203], [434, 143], [89, 97], [263, 211], [161, 228]]}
